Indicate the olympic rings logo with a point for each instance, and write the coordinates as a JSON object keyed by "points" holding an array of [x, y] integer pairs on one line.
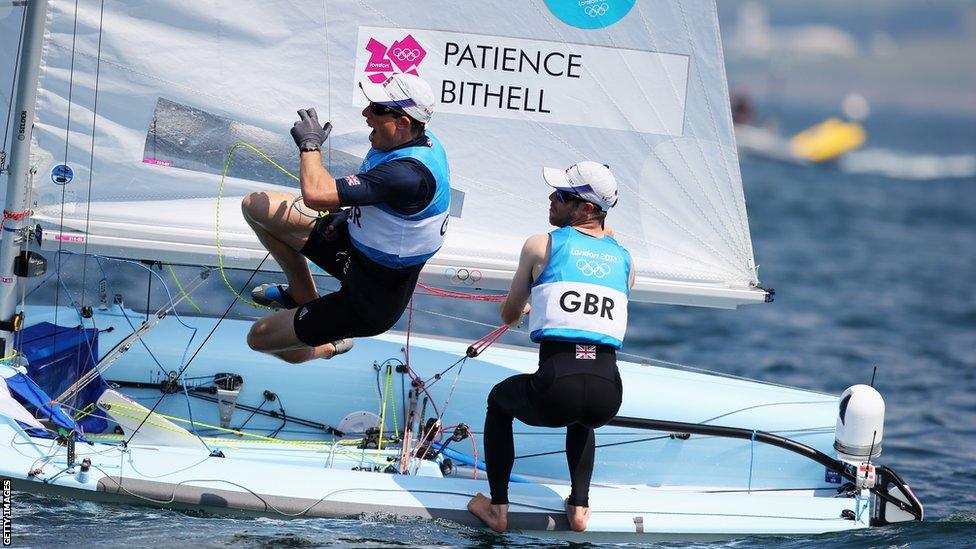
{"points": [[462, 276], [592, 268], [596, 11], [406, 54]]}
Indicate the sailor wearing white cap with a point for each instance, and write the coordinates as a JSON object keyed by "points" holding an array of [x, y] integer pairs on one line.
{"points": [[587, 180], [398, 218], [577, 279]]}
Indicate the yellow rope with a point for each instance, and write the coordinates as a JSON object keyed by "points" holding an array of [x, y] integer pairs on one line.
{"points": [[172, 273], [228, 445], [386, 393], [389, 382], [194, 423], [220, 193], [85, 412], [256, 437], [222, 441]]}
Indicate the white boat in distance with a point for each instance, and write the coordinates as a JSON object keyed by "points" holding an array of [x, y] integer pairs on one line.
{"points": [[139, 128]]}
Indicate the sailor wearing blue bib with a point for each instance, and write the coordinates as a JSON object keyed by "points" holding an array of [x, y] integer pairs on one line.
{"points": [[581, 294], [577, 280], [395, 239], [397, 220]]}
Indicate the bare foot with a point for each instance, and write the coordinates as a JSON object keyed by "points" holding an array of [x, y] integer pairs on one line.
{"points": [[495, 516], [577, 517]]}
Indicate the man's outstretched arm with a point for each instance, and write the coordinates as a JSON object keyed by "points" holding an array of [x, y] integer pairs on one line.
{"points": [[319, 191], [318, 186]]}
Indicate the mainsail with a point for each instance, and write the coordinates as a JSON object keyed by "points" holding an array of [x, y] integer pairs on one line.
{"points": [[140, 104]]}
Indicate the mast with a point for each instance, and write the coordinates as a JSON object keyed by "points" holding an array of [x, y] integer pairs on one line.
{"points": [[19, 176]]}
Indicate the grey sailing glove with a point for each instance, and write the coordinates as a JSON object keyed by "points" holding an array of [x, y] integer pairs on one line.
{"points": [[307, 132]]}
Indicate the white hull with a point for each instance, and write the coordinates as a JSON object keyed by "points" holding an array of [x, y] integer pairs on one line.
{"points": [[288, 482], [661, 488]]}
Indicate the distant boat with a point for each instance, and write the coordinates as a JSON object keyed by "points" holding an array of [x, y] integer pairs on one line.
{"points": [[839, 144], [824, 142]]}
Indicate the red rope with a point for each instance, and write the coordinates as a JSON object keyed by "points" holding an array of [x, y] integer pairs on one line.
{"points": [[416, 381], [474, 349], [16, 216], [439, 292], [479, 346]]}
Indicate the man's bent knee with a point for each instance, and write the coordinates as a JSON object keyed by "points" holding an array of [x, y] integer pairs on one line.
{"points": [[254, 338], [495, 406], [260, 336], [248, 206], [262, 206], [296, 356]]}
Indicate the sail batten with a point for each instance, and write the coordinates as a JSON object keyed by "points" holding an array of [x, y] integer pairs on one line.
{"points": [[643, 91]]}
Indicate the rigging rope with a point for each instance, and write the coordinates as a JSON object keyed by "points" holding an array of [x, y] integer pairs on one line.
{"points": [[13, 84], [479, 346], [91, 155], [106, 361], [220, 194], [67, 135], [440, 292], [216, 324], [172, 273], [387, 393]]}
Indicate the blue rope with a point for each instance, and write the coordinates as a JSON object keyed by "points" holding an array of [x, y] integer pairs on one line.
{"points": [[44, 280], [56, 475], [193, 331], [169, 295], [752, 453]]}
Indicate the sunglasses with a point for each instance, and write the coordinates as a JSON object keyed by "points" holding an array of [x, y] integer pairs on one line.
{"points": [[379, 109], [566, 196]]}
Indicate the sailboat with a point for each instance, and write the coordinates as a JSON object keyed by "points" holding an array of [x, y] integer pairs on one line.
{"points": [[139, 127], [827, 141]]}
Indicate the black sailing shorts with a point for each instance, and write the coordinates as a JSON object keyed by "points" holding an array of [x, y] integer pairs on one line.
{"points": [[371, 297]]}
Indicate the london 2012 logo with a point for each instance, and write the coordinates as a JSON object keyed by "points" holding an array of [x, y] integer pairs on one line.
{"points": [[596, 10], [403, 55], [590, 14], [593, 268]]}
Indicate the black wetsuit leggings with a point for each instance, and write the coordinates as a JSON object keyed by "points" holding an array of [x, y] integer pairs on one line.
{"points": [[580, 394]]}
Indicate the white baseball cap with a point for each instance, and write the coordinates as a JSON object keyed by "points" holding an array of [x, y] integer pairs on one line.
{"points": [[591, 181], [408, 92]]}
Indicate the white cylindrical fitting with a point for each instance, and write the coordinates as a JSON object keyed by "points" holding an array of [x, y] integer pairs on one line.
{"points": [[860, 423]]}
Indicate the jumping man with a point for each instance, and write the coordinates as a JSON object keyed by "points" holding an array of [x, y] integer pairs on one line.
{"points": [[400, 202]]}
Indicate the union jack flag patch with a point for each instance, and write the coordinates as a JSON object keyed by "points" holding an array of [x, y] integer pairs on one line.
{"points": [[586, 352], [352, 181]]}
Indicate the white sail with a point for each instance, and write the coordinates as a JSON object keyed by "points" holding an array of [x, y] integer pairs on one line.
{"points": [[154, 95]]}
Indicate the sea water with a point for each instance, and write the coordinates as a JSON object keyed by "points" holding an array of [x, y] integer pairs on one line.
{"points": [[869, 272]]}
